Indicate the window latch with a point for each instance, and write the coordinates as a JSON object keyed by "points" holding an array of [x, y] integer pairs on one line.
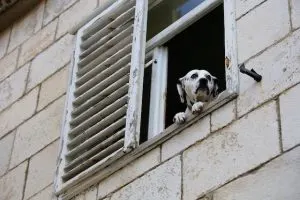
{"points": [[251, 73]]}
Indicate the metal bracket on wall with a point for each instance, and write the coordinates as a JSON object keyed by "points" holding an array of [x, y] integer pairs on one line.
{"points": [[250, 73]]}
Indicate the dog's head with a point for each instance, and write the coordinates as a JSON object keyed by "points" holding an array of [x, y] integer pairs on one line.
{"points": [[197, 85]]}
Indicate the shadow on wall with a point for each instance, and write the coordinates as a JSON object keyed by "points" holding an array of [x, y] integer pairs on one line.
{"points": [[15, 12]]}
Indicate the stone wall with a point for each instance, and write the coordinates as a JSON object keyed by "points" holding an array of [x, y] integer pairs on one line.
{"points": [[35, 55], [247, 149]]}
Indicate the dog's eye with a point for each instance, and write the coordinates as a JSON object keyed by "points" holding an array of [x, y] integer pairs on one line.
{"points": [[208, 77], [194, 76]]}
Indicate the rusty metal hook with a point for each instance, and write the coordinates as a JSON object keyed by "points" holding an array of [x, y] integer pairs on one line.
{"points": [[250, 73]]}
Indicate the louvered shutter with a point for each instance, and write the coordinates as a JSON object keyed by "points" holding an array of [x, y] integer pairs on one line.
{"points": [[105, 97]]}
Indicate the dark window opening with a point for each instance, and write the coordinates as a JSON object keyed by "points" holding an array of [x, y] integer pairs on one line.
{"points": [[200, 46], [145, 104]]}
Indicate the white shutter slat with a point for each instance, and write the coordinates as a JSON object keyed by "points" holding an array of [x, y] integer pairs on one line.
{"points": [[107, 46], [93, 151], [102, 124], [98, 97], [100, 115], [106, 42], [105, 73], [99, 106], [93, 72], [98, 137], [98, 59], [107, 16], [101, 82], [124, 18], [106, 152], [103, 40], [123, 72]]}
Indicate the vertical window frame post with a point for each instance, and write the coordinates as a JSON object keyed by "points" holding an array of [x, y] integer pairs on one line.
{"points": [[134, 110], [158, 92], [231, 61], [59, 184]]}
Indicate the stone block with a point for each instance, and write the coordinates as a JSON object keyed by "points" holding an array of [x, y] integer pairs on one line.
{"points": [[8, 64], [53, 87], [79, 197], [41, 169], [207, 197], [55, 7], [38, 132], [243, 6], [290, 117], [12, 184], [252, 40], [295, 12], [74, 15], [223, 116], [186, 138], [37, 43], [277, 180], [234, 150], [91, 194], [102, 2], [13, 87], [18, 112], [280, 68], [129, 173], [46, 194], [6, 144], [50, 60], [162, 183], [26, 26]]}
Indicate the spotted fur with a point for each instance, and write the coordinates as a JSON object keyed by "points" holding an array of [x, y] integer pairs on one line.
{"points": [[195, 89]]}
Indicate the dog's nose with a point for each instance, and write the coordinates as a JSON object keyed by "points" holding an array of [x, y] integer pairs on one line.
{"points": [[203, 81]]}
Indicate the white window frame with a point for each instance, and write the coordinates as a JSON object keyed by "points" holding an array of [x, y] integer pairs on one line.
{"points": [[158, 84], [158, 92], [157, 133]]}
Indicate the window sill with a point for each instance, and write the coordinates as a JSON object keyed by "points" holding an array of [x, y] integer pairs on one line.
{"points": [[104, 169]]}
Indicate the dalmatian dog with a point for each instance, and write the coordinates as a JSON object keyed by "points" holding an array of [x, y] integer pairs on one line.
{"points": [[196, 88]]}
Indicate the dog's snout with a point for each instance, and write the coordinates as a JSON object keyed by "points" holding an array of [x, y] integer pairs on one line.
{"points": [[202, 84], [203, 81]]}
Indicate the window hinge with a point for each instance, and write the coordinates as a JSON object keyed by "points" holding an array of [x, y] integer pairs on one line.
{"points": [[227, 62]]}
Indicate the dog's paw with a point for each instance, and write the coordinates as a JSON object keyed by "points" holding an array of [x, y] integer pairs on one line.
{"points": [[197, 108], [179, 118]]}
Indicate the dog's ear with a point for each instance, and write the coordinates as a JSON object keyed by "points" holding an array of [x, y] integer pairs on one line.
{"points": [[215, 91], [180, 89]]}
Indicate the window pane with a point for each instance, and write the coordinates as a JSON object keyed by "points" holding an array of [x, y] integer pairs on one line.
{"points": [[166, 12]]}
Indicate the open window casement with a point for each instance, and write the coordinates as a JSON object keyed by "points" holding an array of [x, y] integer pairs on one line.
{"points": [[158, 91], [163, 69], [104, 105], [102, 119]]}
